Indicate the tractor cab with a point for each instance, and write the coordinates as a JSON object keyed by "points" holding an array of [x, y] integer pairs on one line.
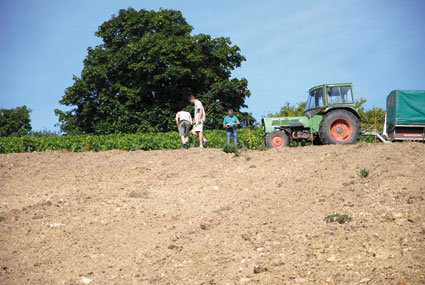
{"points": [[323, 97]]}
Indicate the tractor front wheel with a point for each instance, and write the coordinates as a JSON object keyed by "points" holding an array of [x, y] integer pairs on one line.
{"points": [[277, 139], [340, 127]]}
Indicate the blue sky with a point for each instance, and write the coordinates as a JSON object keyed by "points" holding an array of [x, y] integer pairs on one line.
{"points": [[290, 46]]}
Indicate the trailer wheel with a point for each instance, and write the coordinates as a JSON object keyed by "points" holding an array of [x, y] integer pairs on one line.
{"points": [[339, 127], [277, 139]]}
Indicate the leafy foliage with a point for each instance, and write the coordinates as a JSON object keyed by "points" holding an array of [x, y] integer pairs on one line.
{"points": [[230, 148], [340, 219], [289, 110], [15, 122], [144, 72], [252, 139], [364, 173], [370, 118]]}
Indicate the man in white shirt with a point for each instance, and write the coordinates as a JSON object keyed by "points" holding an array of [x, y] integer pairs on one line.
{"points": [[183, 122], [200, 116]]}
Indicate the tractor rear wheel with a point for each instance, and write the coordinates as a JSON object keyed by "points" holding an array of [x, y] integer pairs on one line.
{"points": [[277, 139], [339, 127]]}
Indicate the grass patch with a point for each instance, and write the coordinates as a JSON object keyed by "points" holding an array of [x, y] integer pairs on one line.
{"points": [[364, 173], [138, 194], [2, 218], [247, 158], [203, 227], [337, 218], [223, 208]]}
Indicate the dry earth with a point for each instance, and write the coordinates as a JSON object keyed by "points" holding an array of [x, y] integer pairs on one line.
{"points": [[206, 217]]}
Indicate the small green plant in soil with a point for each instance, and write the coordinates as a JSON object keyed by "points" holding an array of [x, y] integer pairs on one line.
{"points": [[245, 236], [2, 218], [364, 173], [362, 144], [247, 158], [223, 208], [230, 148], [263, 147], [137, 194], [337, 218], [252, 166]]}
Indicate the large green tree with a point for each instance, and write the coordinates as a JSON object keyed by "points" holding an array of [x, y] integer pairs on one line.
{"points": [[15, 122], [144, 72]]}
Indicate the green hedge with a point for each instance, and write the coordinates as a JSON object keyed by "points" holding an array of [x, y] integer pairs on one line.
{"points": [[251, 139]]}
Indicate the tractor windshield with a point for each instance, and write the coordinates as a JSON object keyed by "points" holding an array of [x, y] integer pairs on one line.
{"points": [[315, 99], [339, 95]]}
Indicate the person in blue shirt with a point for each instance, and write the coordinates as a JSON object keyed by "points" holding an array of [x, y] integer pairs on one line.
{"points": [[231, 123]]}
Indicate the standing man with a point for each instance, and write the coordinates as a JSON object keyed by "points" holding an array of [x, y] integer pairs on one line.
{"points": [[184, 121], [231, 123], [199, 115]]}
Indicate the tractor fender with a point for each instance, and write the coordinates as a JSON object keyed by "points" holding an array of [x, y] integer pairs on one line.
{"points": [[354, 112]]}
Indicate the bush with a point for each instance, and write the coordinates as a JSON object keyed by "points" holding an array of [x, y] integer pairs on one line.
{"points": [[230, 148]]}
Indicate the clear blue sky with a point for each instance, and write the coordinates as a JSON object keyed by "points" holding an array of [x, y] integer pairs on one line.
{"points": [[290, 46]]}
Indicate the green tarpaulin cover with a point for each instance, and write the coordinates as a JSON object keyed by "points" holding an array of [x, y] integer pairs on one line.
{"points": [[405, 107]]}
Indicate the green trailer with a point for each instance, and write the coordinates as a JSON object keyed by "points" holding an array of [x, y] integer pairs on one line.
{"points": [[405, 117]]}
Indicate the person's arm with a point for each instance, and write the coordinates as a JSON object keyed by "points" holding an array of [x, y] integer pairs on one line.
{"points": [[190, 119], [224, 123], [237, 121], [200, 115], [177, 120]]}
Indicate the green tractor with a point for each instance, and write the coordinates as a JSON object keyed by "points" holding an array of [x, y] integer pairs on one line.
{"points": [[330, 117]]}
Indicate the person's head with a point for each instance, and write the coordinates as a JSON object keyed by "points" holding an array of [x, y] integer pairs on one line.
{"points": [[230, 112], [192, 99]]}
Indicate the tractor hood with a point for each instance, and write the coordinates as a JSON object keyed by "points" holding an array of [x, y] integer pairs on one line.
{"points": [[270, 124]]}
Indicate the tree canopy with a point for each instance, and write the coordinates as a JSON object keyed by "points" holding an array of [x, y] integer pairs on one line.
{"points": [[15, 122], [144, 72]]}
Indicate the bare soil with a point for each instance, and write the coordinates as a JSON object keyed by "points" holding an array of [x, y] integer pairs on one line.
{"points": [[207, 217]]}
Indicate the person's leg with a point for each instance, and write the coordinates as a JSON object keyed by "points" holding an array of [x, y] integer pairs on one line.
{"points": [[186, 133], [201, 139], [235, 137], [228, 136], [181, 132]]}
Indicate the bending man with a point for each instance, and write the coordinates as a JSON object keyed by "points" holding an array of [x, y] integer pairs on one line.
{"points": [[184, 121]]}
